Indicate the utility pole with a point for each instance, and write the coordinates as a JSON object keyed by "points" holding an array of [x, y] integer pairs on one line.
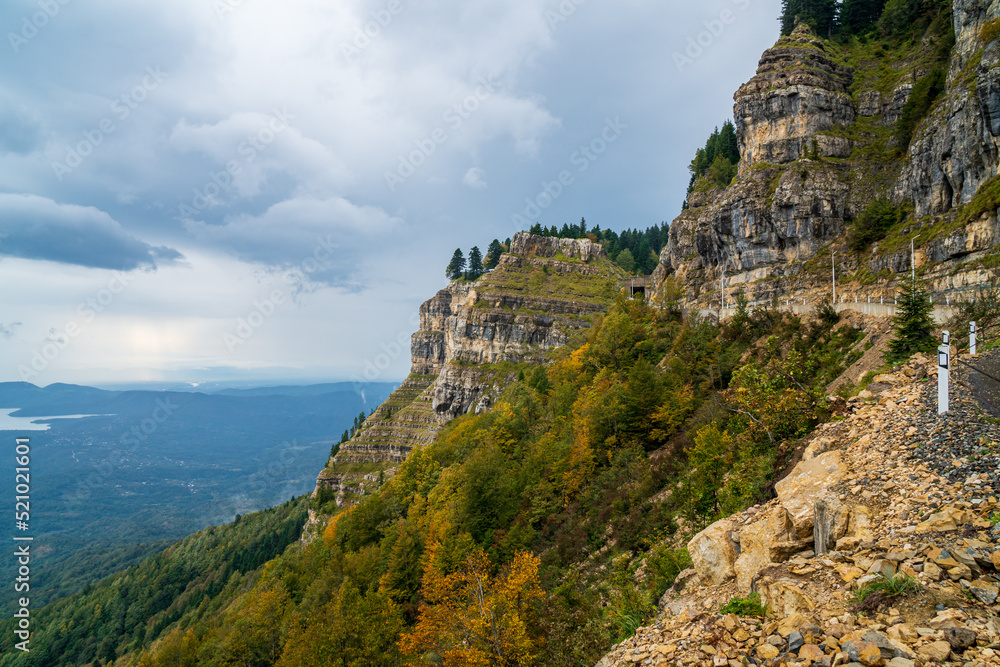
{"points": [[722, 291], [834, 257]]}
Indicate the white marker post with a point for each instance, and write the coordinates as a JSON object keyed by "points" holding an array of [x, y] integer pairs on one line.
{"points": [[944, 361], [972, 338]]}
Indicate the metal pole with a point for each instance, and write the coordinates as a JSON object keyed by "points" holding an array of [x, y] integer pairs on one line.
{"points": [[722, 291], [834, 259], [913, 264], [944, 361]]}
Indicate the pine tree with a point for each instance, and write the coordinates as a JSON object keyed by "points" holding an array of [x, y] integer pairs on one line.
{"points": [[456, 267], [913, 327], [898, 15], [493, 253], [718, 159], [536, 229], [644, 259], [820, 15], [475, 263], [729, 145], [857, 16]]}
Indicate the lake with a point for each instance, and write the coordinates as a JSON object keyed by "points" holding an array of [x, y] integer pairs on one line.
{"points": [[9, 423]]}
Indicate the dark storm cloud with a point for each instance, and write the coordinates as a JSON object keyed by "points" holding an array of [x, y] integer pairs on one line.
{"points": [[33, 227]]}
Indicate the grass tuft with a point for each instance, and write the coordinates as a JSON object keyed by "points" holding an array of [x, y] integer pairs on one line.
{"points": [[748, 606], [882, 592]]}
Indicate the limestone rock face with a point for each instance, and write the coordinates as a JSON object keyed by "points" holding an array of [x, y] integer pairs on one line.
{"points": [[758, 229], [526, 244], [775, 215], [460, 390], [541, 292], [808, 482], [956, 150], [757, 542], [798, 93], [713, 552], [818, 146]]}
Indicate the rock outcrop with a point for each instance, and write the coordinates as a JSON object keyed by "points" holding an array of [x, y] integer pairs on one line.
{"points": [[471, 337], [914, 494], [798, 94], [773, 217], [957, 150], [818, 144]]}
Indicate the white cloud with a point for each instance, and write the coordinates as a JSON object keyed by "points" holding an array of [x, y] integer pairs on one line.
{"points": [[553, 85], [326, 234], [474, 178]]}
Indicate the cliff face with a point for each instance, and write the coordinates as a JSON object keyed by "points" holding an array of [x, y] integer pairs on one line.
{"points": [[773, 215], [797, 94], [471, 340], [817, 139], [958, 149]]}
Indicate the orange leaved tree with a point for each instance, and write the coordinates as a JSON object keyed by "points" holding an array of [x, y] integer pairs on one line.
{"points": [[471, 617]]}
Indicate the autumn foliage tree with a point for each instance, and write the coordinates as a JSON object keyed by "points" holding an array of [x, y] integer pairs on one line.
{"points": [[471, 617]]}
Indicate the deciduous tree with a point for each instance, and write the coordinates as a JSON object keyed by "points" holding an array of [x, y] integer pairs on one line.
{"points": [[473, 618]]}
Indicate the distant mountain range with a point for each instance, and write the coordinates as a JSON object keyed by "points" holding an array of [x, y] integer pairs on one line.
{"points": [[158, 465]]}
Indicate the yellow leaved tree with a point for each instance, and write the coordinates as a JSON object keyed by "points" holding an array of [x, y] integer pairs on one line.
{"points": [[471, 617]]}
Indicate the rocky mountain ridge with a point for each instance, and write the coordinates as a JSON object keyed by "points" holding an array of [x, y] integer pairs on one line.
{"points": [[892, 489], [818, 145], [472, 337]]}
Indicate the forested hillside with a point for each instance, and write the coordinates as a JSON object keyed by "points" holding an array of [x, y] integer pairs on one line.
{"points": [[561, 509], [193, 579]]}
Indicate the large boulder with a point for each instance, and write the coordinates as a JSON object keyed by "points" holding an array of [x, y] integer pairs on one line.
{"points": [[808, 482], [763, 543], [713, 552]]}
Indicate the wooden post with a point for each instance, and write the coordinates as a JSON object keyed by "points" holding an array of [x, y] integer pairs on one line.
{"points": [[821, 527]]}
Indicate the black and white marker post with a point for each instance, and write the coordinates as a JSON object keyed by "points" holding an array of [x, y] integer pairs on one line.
{"points": [[972, 338], [944, 362]]}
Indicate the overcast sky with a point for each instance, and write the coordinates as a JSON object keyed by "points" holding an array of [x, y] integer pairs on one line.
{"points": [[208, 189]]}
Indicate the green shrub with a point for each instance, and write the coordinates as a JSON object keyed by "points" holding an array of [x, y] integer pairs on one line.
{"points": [[986, 200], [897, 16], [665, 564], [748, 606], [989, 31], [882, 592], [826, 313], [927, 89], [874, 223]]}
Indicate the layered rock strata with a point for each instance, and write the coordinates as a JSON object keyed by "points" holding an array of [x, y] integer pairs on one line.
{"points": [[818, 145], [471, 337], [773, 216]]}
